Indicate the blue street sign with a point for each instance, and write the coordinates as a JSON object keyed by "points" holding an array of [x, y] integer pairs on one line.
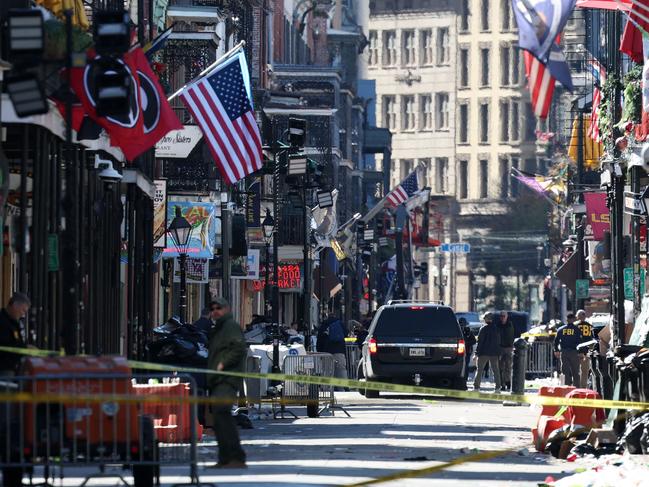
{"points": [[456, 248]]}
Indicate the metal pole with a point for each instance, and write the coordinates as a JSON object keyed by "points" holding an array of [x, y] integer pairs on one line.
{"points": [[278, 219], [266, 280], [182, 307], [306, 277], [636, 174], [226, 239], [578, 197]]}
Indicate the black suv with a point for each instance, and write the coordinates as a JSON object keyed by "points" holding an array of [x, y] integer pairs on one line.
{"points": [[414, 342]]}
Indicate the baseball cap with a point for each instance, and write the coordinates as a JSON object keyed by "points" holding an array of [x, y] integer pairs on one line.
{"points": [[220, 302]]}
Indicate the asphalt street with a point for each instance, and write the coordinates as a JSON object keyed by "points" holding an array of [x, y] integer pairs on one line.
{"points": [[383, 436]]}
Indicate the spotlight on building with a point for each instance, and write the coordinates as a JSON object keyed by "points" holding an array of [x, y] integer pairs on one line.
{"points": [[26, 36], [297, 164], [296, 132], [113, 89], [26, 94], [325, 199], [112, 32]]}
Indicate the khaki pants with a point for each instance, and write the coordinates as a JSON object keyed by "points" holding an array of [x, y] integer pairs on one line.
{"points": [[482, 362], [584, 370], [505, 362]]}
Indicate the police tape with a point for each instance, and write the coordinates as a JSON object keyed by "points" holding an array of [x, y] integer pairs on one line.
{"points": [[420, 472], [532, 399]]}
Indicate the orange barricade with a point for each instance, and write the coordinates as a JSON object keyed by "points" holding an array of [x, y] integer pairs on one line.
{"points": [[171, 420], [584, 416], [549, 420]]}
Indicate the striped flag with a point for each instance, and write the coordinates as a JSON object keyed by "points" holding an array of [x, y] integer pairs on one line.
{"points": [[221, 105], [541, 85], [405, 190], [599, 73]]}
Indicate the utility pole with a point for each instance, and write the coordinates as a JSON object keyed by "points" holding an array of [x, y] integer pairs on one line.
{"points": [[225, 241], [578, 197], [306, 275]]}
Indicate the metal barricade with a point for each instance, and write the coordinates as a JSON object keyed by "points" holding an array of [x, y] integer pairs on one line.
{"points": [[66, 420], [540, 359], [315, 364], [353, 355]]}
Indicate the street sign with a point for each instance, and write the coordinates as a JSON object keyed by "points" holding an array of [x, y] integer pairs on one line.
{"points": [[582, 288], [628, 283], [634, 204], [456, 248]]}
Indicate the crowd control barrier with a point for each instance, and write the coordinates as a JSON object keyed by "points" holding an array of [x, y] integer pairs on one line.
{"points": [[540, 359], [313, 395], [92, 411], [353, 355]]}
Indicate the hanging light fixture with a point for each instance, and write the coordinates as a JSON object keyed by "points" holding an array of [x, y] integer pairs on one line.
{"points": [[180, 230]]}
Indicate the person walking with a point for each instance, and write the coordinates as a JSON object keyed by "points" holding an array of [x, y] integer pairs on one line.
{"points": [[331, 339], [584, 359], [488, 351], [227, 352], [565, 348], [11, 332], [507, 336], [469, 344]]}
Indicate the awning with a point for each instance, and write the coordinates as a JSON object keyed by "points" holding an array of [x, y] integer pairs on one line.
{"points": [[592, 150], [605, 4]]}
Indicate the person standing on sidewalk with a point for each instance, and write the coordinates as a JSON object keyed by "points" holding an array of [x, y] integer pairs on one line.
{"points": [[488, 351], [11, 332], [331, 339], [565, 348], [469, 344], [507, 335], [227, 352], [586, 336]]}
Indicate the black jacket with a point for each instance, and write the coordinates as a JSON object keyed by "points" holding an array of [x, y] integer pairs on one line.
{"points": [[324, 344], [507, 334], [10, 336], [488, 340], [568, 337]]}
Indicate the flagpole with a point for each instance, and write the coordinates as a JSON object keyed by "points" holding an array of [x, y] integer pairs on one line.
{"points": [[221, 60]]}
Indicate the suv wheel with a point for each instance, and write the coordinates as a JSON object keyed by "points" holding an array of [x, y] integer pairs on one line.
{"points": [[371, 394]]}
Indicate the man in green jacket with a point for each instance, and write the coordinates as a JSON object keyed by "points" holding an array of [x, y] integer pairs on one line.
{"points": [[227, 352]]}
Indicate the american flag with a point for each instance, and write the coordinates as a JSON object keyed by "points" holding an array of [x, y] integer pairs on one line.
{"points": [[405, 190], [222, 108], [599, 73], [541, 85]]}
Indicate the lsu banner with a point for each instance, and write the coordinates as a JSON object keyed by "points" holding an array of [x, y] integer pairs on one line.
{"points": [[597, 216]]}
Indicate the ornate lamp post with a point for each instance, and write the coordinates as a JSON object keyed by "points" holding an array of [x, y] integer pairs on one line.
{"points": [[180, 230], [268, 227]]}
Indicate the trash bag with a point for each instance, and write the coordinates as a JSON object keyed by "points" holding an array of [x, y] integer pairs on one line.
{"points": [[633, 433]]}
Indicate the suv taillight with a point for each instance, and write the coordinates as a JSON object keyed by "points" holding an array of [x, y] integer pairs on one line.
{"points": [[373, 346], [461, 347]]}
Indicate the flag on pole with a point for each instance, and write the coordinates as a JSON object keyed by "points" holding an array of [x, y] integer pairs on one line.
{"points": [[553, 188], [403, 191], [222, 106], [541, 85], [599, 73], [158, 43]]}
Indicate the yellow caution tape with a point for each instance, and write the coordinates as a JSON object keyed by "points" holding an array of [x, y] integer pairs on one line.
{"points": [[533, 399], [476, 457]]}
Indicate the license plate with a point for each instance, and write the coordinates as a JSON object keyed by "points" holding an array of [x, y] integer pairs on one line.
{"points": [[417, 352]]}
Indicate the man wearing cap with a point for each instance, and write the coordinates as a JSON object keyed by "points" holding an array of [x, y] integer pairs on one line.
{"points": [[227, 352], [565, 348], [586, 336]]}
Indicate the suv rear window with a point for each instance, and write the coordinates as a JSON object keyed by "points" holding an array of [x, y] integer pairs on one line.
{"points": [[427, 321]]}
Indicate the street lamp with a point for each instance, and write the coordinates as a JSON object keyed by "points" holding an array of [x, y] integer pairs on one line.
{"points": [[268, 227], [180, 230]]}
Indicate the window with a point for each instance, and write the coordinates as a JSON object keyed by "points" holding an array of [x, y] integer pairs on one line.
{"points": [[484, 123], [441, 111], [373, 48], [463, 123], [389, 112], [426, 112], [529, 165], [425, 166], [441, 175], [505, 67], [484, 15], [443, 46], [530, 123], [484, 63], [408, 48], [407, 166], [516, 66], [464, 180], [516, 131], [408, 113], [484, 178], [514, 180], [504, 121], [389, 48], [504, 178], [427, 46], [464, 18], [505, 14], [464, 67]]}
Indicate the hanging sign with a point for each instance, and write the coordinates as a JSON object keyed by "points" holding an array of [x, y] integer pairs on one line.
{"points": [[633, 204], [246, 267], [160, 214], [179, 143], [196, 271], [202, 218], [597, 216]]}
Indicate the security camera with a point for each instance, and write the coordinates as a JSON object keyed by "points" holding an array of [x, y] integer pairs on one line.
{"points": [[107, 172]]}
